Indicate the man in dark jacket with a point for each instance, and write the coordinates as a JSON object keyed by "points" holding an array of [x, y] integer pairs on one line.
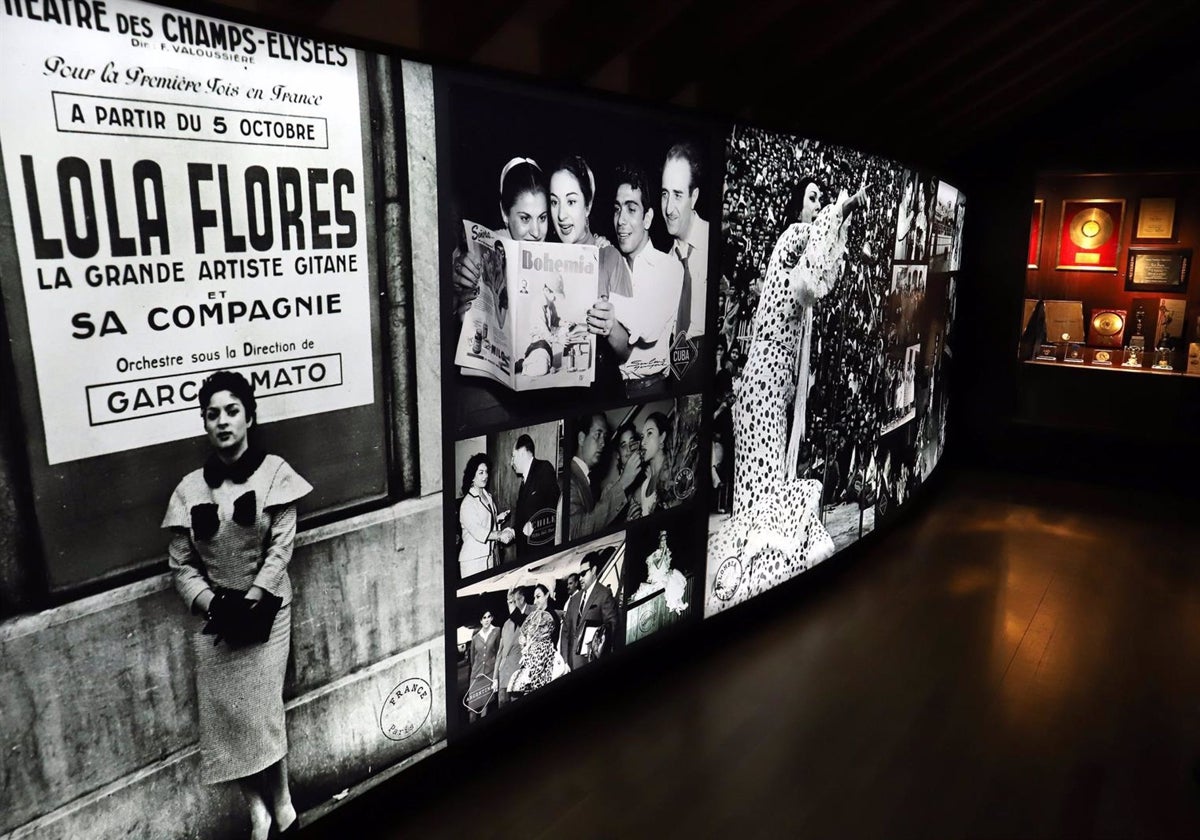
{"points": [[535, 516]]}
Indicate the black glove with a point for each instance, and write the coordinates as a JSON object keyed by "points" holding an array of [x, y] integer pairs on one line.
{"points": [[238, 621], [258, 617], [222, 614]]}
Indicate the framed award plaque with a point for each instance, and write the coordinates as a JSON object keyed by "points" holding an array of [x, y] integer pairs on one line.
{"points": [[1158, 270], [1107, 328], [1089, 237], [1047, 352], [1156, 219]]}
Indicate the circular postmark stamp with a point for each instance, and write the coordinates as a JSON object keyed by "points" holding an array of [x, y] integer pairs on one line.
{"points": [[406, 709], [728, 578], [685, 484], [648, 622]]}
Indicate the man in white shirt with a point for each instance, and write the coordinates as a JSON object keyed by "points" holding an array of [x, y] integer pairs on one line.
{"points": [[680, 192], [649, 314]]}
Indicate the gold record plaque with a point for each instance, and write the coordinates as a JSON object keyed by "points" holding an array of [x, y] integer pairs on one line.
{"points": [[1089, 237], [1107, 328], [1091, 228]]}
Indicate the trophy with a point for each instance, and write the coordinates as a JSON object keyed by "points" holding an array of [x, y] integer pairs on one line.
{"points": [[1138, 339]]}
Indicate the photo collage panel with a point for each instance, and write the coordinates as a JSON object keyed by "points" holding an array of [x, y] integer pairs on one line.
{"points": [[575, 261]]}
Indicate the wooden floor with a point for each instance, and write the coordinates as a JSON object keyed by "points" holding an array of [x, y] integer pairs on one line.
{"points": [[1018, 659]]}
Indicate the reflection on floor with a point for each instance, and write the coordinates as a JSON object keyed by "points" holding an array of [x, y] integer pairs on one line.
{"points": [[1020, 659]]}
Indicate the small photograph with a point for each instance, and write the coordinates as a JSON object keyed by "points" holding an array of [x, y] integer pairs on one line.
{"points": [[914, 218], [905, 300], [509, 497], [932, 385], [945, 244], [662, 574], [898, 475], [931, 436], [902, 365], [520, 630], [951, 308], [574, 261], [629, 463]]}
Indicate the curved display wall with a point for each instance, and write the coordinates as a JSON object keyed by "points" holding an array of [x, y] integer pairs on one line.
{"points": [[552, 374]]}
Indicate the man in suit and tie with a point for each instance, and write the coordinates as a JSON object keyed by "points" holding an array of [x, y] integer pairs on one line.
{"points": [[588, 511], [570, 611], [481, 654], [595, 622], [537, 500]]}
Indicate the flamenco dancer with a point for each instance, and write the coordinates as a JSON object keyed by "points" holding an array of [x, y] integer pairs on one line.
{"points": [[775, 530]]}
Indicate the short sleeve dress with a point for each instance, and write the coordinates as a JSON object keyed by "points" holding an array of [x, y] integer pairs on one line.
{"points": [[233, 527]]}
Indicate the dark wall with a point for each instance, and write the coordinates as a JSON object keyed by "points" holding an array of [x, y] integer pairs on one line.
{"points": [[1126, 429]]}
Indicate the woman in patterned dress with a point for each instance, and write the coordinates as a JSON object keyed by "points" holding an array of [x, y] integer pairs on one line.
{"points": [[539, 648], [776, 530], [233, 524]]}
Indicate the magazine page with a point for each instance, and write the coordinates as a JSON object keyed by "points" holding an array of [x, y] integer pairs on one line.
{"points": [[552, 286], [484, 347]]}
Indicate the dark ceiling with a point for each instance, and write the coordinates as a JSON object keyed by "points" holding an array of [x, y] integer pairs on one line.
{"points": [[933, 79]]}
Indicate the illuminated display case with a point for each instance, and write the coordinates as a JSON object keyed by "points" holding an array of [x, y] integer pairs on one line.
{"points": [[1110, 257]]}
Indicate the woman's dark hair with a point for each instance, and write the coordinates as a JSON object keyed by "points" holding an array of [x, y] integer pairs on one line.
{"points": [[577, 166], [661, 422], [234, 383], [545, 589], [795, 205], [472, 466], [524, 177]]}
